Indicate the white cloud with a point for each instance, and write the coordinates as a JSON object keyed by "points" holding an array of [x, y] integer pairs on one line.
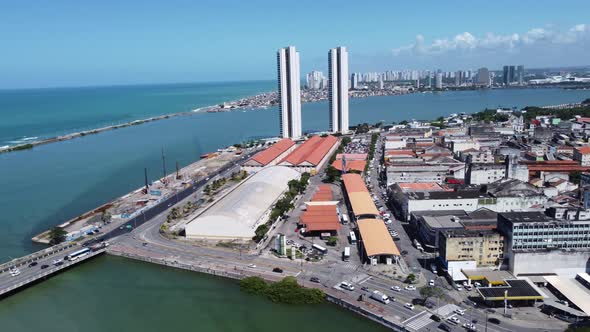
{"points": [[467, 43]]}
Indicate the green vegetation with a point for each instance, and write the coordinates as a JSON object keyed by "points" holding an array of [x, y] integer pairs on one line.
{"points": [[332, 174], [260, 232], [411, 278], [374, 138], [105, 216], [22, 147], [57, 235], [578, 329], [284, 291], [490, 115], [283, 205], [332, 241], [428, 292], [361, 128], [238, 176], [532, 112], [575, 177]]}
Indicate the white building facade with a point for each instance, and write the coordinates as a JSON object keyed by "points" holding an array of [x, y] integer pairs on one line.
{"points": [[338, 89], [289, 92]]}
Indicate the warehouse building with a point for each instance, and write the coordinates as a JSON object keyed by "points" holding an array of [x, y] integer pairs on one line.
{"points": [[270, 156], [236, 215], [311, 155], [358, 198], [376, 244]]}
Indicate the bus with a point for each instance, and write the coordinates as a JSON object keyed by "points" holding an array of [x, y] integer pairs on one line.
{"points": [[352, 238], [346, 254], [320, 248], [78, 254]]}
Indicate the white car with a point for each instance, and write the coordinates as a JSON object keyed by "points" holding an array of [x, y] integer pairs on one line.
{"points": [[410, 288], [431, 283], [396, 288], [347, 286], [251, 266], [460, 311], [454, 320], [409, 306], [469, 327], [386, 215]]}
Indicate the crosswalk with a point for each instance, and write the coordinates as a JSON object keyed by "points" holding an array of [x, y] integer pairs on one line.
{"points": [[418, 321], [349, 266], [447, 309]]}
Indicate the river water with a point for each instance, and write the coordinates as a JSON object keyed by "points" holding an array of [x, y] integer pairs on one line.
{"points": [[52, 183]]}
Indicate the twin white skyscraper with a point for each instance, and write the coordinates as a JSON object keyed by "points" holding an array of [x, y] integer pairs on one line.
{"points": [[290, 91]]}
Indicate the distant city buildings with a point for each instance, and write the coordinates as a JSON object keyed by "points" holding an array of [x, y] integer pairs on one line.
{"points": [[438, 81], [513, 75], [354, 81], [316, 80], [289, 92], [483, 77], [338, 89]]}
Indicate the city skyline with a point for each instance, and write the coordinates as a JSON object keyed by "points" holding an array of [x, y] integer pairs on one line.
{"points": [[61, 45]]}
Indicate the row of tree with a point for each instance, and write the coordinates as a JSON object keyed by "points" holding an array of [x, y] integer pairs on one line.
{"points": [[284, 291], [283, 205]]}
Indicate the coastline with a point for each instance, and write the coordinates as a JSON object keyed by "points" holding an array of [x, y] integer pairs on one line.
{"points": [[256, 102]]}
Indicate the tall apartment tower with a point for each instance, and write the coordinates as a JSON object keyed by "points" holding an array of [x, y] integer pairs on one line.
{"points": [[438, 81], [338, 89], [520, 74], [289, 92]]}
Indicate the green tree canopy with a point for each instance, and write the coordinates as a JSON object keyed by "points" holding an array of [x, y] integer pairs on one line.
{"points": [[430, 291], [57, 235]]}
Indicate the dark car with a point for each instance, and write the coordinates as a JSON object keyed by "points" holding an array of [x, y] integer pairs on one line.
{"points": [[59, 263], [44, 266], [277, 270], [494, 320], [33, 264], [365, 288], [445, 327], [404, 252], [435, 318], [315, 279]]}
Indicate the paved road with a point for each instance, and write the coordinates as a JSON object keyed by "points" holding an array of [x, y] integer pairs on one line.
{"points": [[29, 272]]}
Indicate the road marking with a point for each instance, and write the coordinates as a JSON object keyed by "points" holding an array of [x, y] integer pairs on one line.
{"points": [[413, 317], [364, 280]]}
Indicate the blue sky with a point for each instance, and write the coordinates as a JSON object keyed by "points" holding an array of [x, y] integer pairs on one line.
{"points": [[74, 43]]}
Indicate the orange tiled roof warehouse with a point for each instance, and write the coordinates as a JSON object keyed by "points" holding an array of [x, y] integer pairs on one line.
{"points": [[272, 152], [312, 151]]}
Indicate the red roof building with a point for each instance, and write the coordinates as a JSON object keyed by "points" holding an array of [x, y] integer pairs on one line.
{"points": [[355, 165], [272, 154], [324, 193], [312, 154]]}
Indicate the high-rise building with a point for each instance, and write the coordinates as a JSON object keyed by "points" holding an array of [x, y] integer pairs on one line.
{"points": [[354, 80], [483, 76], [505, 75], [438, 80], [315, 80], [338, 89], [512, 74], [289, 92], [459, 78], [520, 74]]}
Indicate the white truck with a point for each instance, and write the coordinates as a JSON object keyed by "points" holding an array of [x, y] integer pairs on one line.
{"points": [[377, 295]]}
